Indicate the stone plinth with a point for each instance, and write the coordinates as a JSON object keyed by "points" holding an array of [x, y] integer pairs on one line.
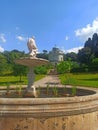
{"points": [[70, 113]]}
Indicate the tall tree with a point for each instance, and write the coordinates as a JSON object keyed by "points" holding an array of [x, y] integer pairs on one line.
{"points": [[89, 51], [19, 70], [84, 55], [72, 56]]}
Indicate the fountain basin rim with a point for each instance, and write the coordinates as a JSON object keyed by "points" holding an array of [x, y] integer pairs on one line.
{"points": [[30, 61], [48, 107], [53, 100]]}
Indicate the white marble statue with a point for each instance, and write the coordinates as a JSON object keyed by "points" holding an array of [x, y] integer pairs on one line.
{"points": [[32, 47]]}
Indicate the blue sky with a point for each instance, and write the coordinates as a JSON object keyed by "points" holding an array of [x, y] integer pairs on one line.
{"points": [[66, 24]]}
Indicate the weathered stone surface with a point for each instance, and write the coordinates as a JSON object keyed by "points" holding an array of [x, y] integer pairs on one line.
{"points": [[30, 61], [88, 121], [70, 113]]}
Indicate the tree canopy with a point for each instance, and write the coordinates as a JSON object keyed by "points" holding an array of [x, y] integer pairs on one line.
{"points": [[90, 50], [87, 56]]}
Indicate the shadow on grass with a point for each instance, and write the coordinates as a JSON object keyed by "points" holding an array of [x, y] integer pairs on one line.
{"points": [[91, 79], [51, 83]]}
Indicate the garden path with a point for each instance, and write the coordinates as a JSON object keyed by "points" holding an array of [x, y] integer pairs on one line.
{"points": [[52, 80]]}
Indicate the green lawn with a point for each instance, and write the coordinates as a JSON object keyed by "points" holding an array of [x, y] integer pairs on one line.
{"points": [[13, 80], [89, 80]]}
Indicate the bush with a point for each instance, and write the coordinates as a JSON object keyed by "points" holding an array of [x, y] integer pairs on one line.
{"points": [[40, 70], [78, 69], [63, 67], [90, 68]]}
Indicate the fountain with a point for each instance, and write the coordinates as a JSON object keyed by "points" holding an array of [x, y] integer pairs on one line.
{"points": [[31, 61], [51, 113]]}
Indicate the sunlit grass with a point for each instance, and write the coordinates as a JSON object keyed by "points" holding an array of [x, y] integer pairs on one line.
{"points": [[13, 80], [89, 80]]}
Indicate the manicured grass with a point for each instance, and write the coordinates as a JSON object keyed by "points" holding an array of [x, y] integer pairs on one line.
{"points": [[13, 80], [86, 80], [89, 80]]}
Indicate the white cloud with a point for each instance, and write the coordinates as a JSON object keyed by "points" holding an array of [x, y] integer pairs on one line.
{"points": [[20, 38], [66, 38], [1, 49], [2, 38], [86, 32], [76, 49]]}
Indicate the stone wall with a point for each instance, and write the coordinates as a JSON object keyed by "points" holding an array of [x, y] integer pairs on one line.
{"points": [[70, 113], [87, 121]]}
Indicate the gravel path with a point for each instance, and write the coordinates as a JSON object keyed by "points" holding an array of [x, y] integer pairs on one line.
{"points": [[49, 79]]}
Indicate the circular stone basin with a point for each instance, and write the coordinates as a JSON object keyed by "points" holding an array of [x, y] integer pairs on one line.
{"points": [[30, 61], [64, 113], [44, 92]]}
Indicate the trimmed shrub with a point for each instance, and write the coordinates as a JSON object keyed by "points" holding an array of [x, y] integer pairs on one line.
{"points": [[40, 70]]}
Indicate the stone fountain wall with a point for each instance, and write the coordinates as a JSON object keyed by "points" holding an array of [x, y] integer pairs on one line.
{"points": [[88, 121], [70, 113]]}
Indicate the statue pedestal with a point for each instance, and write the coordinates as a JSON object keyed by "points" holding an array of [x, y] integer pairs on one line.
{"points": [[31, 77], [31, 62]]}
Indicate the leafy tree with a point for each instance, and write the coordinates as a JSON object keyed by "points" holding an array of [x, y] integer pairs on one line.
{"points": [[45, 51], [72, 56], [40, 70], [12, 55], [9, 57], [90, 50], [95, 61], [19, 70], [93, 44], [43, 55], [89, 43], [64, 66], [84, 55], [2, 64], [74, 65]]}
